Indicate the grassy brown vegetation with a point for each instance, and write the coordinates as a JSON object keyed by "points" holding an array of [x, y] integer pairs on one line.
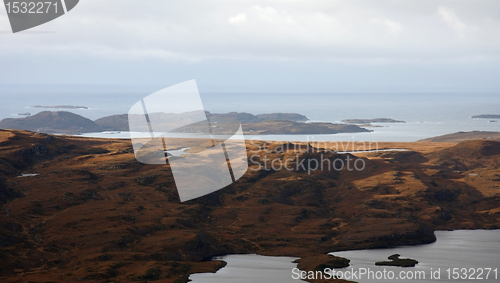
{"points": [[95, 214]]}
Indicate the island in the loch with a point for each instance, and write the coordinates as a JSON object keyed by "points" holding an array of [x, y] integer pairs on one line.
{"points": [[264, 124], [59, 107], [396, 261]]}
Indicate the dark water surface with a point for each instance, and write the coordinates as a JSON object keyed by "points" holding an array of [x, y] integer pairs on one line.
{"points": [[474, 250]]}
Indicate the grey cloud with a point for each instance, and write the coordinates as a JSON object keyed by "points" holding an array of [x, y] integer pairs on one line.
{"points": [[282, 30]]}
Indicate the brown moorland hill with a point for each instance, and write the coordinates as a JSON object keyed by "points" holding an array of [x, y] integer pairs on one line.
{"points": [[465, 136], [95, 214]]}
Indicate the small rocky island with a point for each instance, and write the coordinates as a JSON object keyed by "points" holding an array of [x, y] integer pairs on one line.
{"points": [[60, 107], [369, 121], [396, 261], [321, 262], [486, 116]]}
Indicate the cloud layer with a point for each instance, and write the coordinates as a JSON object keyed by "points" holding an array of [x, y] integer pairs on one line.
{"points": [[404, 33], [220, 29]]}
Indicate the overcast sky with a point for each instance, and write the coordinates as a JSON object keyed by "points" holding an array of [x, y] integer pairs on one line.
{"points": [[280, 45]]}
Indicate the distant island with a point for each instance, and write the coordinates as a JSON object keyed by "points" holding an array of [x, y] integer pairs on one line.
{"points": [[60, 107], [486, 116], [283, 116], [268, 124], [369, 121], [52, 122], [221, 124]]}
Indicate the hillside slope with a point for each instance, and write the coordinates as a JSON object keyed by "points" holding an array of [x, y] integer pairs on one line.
{"points": [[95, 214], [465, 136]]}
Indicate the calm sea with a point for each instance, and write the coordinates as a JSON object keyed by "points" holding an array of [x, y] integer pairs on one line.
{"points": [[426, 114]]}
